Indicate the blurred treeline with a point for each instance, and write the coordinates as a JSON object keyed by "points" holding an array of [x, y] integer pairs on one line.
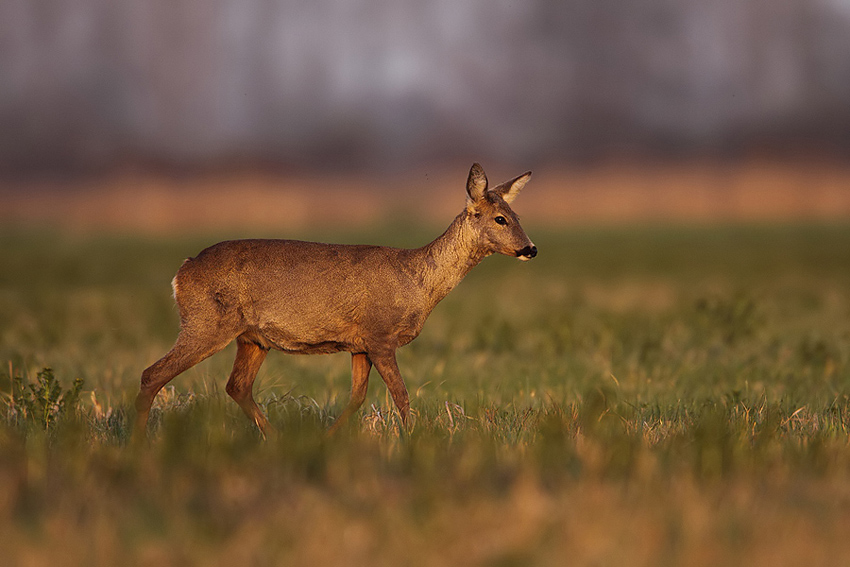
{"points": [[93, 84]]}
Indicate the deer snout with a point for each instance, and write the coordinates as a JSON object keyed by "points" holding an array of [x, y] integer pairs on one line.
{"points": [[527, 253]]}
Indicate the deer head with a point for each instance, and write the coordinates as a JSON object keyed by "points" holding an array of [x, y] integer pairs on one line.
{"points": [[489, 212]]}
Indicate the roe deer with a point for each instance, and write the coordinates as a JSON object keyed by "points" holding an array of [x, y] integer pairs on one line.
{"points": [[311, 298]]}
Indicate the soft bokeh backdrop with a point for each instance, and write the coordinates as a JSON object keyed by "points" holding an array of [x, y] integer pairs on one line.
{"points": [[91, 84], [258, 115]]}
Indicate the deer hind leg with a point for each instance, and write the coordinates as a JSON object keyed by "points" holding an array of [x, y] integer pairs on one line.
{"points": [[360, 367], [388, 369], [249, 358], [188, 350]]}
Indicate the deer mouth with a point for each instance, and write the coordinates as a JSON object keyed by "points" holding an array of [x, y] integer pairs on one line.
{"points": [[527, 253]]}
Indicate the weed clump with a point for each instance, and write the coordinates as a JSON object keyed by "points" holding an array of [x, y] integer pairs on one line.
{"points": [[40, 404]]}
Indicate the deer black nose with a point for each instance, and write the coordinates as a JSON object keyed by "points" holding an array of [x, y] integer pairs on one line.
{"points": [[528, 252]]}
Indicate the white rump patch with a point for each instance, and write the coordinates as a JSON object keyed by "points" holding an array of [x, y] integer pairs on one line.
{"points": [[174, 287]]}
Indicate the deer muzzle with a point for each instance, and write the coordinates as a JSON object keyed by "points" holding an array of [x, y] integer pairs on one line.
{"points": [[527, 253]]}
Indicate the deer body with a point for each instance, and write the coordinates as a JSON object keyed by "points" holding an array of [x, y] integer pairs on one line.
{"points": [[313, 298]]}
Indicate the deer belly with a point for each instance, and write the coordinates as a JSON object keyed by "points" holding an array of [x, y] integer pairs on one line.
{"points": [[302, 343]]}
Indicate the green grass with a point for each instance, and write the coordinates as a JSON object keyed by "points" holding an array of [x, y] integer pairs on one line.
{"points": [[640, 396]]}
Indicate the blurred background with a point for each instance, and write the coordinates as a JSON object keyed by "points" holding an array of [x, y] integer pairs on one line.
{"points": [[182, 113]]}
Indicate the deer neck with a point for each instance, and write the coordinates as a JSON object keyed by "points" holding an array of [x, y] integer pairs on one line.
{"points": [[445, 261]]}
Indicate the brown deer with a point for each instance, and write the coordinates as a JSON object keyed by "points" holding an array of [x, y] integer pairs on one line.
{"points": [[311, 298]]}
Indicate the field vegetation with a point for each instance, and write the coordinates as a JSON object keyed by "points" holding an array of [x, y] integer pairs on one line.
{"points": [[634, 396]]}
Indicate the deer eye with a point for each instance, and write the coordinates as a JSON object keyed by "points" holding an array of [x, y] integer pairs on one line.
{"points": [[500, 220]]}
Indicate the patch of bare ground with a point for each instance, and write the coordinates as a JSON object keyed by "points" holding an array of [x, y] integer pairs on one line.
{"points": [[604, 194]]}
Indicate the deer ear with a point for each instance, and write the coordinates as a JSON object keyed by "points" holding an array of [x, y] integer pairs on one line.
{"points": [[476, 184], [510, 189]]}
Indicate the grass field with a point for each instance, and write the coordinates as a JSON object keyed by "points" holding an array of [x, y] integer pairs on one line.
{"points": [[633, 396]]}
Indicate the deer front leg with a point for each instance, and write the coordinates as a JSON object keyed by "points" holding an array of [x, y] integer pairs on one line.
{"points": [[360, 367], [388, 369]]}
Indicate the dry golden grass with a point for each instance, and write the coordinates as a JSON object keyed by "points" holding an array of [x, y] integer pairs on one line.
{"points": [[624, 192]]}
